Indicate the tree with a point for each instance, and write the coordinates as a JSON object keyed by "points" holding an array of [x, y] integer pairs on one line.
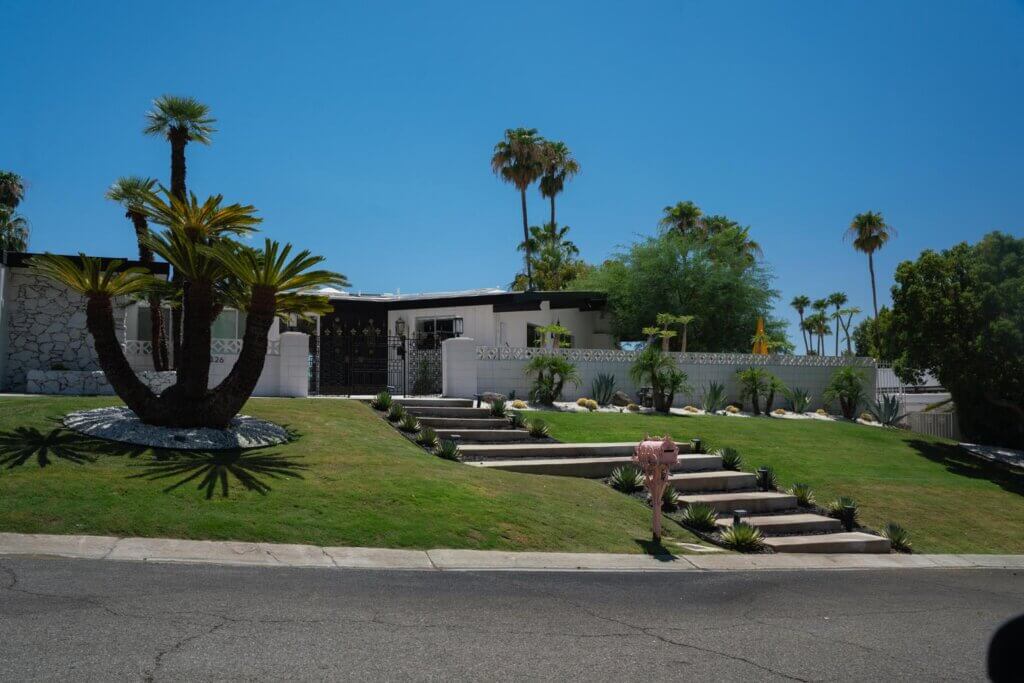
{"points": [[683, 218], [754, 384], [553, 256], [198, 241], [869, 233], [801, 304], [838, 300], [558, 166], [131, 192], [873, 338], [706, 278], [551, 373], [847, 387], [12, 189], [517, 160], [658, 369], [181, 120], [959, 314], [845, 318], [14, 230]]}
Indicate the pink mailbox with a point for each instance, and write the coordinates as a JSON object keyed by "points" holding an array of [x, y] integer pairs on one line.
{"points": [[655, 457]]}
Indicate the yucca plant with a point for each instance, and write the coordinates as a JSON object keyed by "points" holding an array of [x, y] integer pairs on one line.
{"points": [[627, 478], [516, 420], [396, 412], [799, 399], [670, 499], [899, 538], [699, 516], [498, 407], [427, 438], [603, 388], [767, 477], [409, 424], [714, 397], [731, 459], [742, 538], [887, 411], [538, 428], [803, 494], [839, 507], [381, 401], [448, 450]]}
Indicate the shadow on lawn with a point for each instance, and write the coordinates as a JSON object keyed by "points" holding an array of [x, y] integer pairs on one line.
{"points": [[958, 462], [656, 550], [215, 469], [23, 444]]}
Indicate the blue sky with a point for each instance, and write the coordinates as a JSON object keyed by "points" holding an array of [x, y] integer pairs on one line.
{"points": [[364, 133]]}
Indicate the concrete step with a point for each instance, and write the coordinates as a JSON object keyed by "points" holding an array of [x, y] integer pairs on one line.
{"points": [[546, 450], [435, 402], [485, 435], [722, 480], [588, 467], [751, 501], [844, 542], [445, 411], [796, 523], [457, 423]]}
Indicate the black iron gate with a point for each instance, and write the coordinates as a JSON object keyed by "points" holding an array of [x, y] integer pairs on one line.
{"points": [[366, 361]]}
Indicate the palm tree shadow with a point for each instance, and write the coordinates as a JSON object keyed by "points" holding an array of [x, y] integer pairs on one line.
{"points": [[22, 444], [215, 469], [959, 462]]}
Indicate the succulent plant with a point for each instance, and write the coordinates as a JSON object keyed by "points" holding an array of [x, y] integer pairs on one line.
{"points": [[538, 428], [448, 450], [742, 538], [396, 412], [427, 438], [699, 516], [627, 478], [731, 459], [803, 494], [899, 538], [381, 401], [409, 424]]}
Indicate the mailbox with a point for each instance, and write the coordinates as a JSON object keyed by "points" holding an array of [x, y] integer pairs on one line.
{"points": [[655, 457]]}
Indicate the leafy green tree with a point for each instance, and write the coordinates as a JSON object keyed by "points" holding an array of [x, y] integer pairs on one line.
{"points": [[553, 256], [959, 314], [873, 339], [707, 278], [517, 160], [558, 166], [869, 233]]}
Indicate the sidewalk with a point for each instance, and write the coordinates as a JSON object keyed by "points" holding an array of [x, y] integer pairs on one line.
{"points": [[287, 555]]}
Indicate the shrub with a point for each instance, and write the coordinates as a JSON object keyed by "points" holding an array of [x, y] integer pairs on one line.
{"points": [[836, 508], [381, 401], [633, 408], [779, 411], [731, 459], [699, 516], [899, 538], [409, 424], [427, 438], [847, 387], [627, 478], [603, 388], [887, 411], [821, 411], [803, 494], [658, 369], [498, 407], [519, 405], [714, 397], [768, 477], [449, 450], [691, 409], [551, 373], [538, 428], [775, 386], [591, 405], [396, 412], [516, 420], [582, 402], [742, 538], [732, 409], [799, 400], [867, 417], [670, 498], [753, 385]]}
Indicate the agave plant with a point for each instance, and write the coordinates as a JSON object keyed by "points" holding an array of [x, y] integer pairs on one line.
{"points": [[899, 538], [409, 424], [427, 438], [714, 397], [627, 478], [699, 516], [803, 494], [516, 420], [498, 407], [742, 538], [603, 388], [670, 499], [396, 412], [799, 400], [844, 509], [767, 478], [887, 411], [381, 401], [731, 459], [538, 428], [448, 450]]}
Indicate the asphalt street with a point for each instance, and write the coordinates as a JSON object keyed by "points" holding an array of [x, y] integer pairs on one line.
{"points": [[101, 620]]}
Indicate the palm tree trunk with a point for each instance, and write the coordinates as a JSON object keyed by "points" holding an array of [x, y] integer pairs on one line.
{"points": [[194, 368], [552, 208], [526, 240], [874, 300], [178, 138], [838, 325], [804, 335], [684, 339], [99, 316], [158, 337]]}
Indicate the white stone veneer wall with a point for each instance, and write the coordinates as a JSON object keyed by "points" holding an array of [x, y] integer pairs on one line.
{"points": [[490, 368], [85, 383]]}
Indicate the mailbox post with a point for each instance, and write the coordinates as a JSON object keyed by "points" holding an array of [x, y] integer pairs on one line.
{"points": [[655, 457]]}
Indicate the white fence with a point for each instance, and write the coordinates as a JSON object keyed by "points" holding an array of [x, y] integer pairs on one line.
{"points": [[469, 369], [935, 424]]}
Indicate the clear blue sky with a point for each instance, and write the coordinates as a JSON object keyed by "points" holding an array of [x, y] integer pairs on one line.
{"points": [[365, 133]]}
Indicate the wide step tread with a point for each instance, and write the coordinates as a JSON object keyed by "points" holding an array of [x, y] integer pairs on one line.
{"points": [[723, 480], [449, 412], [796, 523], [843, 542], [456, 423], [751, 501], [546, 450], [484, 435], [435, 402], [585, 467]]}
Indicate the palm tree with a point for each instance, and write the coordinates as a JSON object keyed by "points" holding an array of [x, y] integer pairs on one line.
{"points": [[131, 192], [837, 299], [553, 258], [801, 303], [869, 233], [846, 319], [13, 231], [558, 166], [684, 218], [517, 160], [685, 321], [12, 189]]}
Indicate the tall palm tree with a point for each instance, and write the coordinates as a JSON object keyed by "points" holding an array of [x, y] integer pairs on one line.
{"points": [[684, 218], [801, 303], [131, 192], [517, 160], [820, 316], [559, 165], [869, 233], [837, 299], [552, 256], [12, 189], [846, 319], [13, 231], [181, 120]]}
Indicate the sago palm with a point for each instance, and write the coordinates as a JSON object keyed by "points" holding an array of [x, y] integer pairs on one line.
{"points": [[517, 160], [869, 232], [558, 166]]}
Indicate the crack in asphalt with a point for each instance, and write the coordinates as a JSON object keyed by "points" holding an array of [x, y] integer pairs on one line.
{"points": [[158, 659]]}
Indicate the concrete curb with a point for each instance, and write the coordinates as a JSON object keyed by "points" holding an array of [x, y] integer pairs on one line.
{"points": [[239, 553]]}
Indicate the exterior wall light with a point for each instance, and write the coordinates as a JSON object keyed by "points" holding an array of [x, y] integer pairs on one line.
{"points": [[400, 327]]}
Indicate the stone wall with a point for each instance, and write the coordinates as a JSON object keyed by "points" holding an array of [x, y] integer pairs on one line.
{"points": [[46, 329], [87, 383]]}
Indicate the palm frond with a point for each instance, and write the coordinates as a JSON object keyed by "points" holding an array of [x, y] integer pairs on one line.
{"points": [[87, 276], [186, 114]]}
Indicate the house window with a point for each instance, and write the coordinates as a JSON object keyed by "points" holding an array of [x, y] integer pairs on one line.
{"points": [[144, 323], [534, 337], [432, 331], [230, 324]]}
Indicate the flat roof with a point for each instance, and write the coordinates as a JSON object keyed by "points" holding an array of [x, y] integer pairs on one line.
{"points": [[500, 299], [19, 259]]}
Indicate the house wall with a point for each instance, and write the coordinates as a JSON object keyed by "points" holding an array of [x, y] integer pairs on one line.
{"points": [[4, 278]]}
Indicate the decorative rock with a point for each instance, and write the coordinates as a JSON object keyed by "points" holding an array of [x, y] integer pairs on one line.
{"points": [[621, 399], [121, 424]]}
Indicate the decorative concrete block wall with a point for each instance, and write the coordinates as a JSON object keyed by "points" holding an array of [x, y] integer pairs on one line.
{"points": [[45, 328], [86, 383], [503, 370]]}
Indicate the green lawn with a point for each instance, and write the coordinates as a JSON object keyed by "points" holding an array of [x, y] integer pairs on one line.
{"points": [[361, 485], [949, 502]]}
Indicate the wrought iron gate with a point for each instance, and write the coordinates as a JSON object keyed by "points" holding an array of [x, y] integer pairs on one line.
{"points": [[367, 361]]}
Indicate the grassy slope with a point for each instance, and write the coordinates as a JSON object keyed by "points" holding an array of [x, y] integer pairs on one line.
{"points": [[947, 501], [365, 486]]}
